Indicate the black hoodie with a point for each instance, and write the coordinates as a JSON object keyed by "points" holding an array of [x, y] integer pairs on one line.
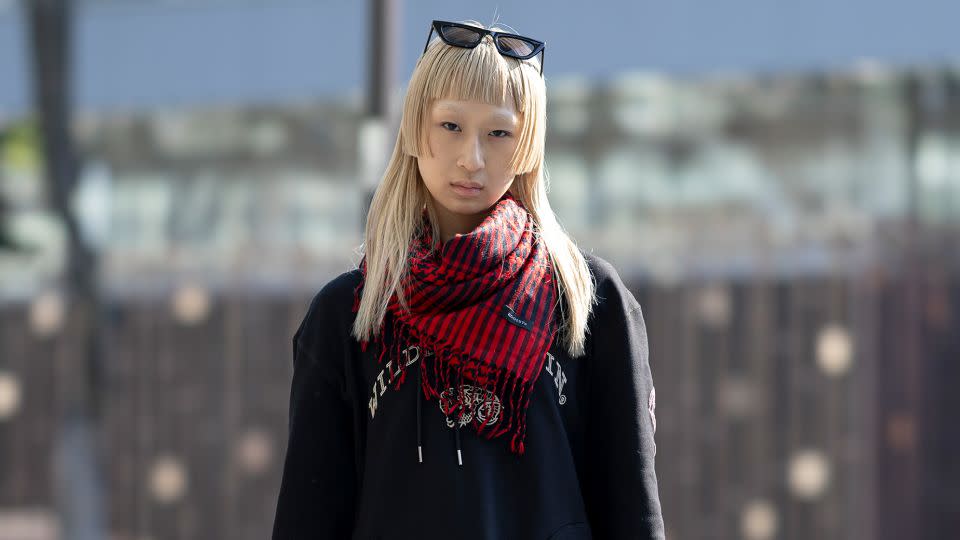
{"points": [[353, 465]]}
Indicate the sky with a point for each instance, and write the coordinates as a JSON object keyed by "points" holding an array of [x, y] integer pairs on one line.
{"points": [[135, 54]]}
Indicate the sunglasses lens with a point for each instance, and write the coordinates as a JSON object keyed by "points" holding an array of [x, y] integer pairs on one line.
{"points": [[460, 36], [515, 46]]}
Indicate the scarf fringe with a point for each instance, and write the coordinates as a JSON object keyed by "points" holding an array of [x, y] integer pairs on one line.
{"points": [[445, 369]]}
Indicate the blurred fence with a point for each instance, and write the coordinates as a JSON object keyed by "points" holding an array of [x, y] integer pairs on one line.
{"points": [[788, 408], [195, 410]]}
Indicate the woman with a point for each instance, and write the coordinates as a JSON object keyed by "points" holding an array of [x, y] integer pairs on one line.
{"points": [[478, 376]]}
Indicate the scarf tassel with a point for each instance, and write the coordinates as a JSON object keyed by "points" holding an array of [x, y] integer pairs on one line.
{"points": [[499, 393]]}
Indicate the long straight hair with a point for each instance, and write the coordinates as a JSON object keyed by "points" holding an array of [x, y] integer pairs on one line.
{"points": [[395, 216]]}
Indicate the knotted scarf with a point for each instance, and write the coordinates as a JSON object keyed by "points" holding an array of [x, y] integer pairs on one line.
{"points": [[483, 304]]}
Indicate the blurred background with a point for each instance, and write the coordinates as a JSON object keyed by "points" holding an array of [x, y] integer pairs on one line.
{"points": [[778, 183]]}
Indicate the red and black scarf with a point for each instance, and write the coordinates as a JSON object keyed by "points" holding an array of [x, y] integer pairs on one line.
{"points": [[483, 304]]}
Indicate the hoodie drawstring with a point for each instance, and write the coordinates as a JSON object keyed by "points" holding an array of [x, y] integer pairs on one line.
{"points": [[419, 408], [456, 432]]}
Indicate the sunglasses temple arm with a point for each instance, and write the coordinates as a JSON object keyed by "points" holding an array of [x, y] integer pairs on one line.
{"points": [[427, 44]]}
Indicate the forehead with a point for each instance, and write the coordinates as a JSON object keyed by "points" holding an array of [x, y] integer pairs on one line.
{"points": [[504, 112]]}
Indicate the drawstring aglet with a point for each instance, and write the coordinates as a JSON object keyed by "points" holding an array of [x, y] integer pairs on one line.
{"points": [[456, 434]]}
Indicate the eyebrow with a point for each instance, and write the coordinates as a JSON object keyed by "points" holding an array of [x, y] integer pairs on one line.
{"points": [[495, 116]]}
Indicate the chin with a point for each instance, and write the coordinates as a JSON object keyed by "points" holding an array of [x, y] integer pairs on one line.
{"points": [[467, 207], [459, 206]]}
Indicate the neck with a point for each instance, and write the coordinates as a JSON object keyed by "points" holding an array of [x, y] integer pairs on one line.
{"points": [[452, 225]]}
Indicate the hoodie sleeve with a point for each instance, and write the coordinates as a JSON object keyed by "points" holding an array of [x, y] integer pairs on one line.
{"points": [[621, 492], [318, 486]]}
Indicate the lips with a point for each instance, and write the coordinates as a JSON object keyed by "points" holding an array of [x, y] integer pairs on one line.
{"points": [[467, 192], [471, 185]]}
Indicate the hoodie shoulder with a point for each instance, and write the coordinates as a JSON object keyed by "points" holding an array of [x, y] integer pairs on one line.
{"points": [[341, 287], [611, 291], [330, 314]]}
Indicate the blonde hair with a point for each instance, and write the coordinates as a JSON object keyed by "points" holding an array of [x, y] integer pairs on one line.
{"points": [[477, 74]]}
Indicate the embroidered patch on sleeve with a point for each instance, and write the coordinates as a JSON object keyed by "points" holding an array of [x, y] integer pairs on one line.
{"points": [[651, 406]]}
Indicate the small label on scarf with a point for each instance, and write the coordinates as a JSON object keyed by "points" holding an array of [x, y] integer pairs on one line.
{"points": [[509, 314]]}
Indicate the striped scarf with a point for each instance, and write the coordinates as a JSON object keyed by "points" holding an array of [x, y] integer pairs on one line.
{"points": [[483, 304]]}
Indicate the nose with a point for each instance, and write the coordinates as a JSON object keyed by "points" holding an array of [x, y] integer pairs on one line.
{"points": [[471, 155]]}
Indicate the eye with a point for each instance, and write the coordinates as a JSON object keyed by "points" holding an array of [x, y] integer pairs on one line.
{"points": [[445, 124], [504, 132]]}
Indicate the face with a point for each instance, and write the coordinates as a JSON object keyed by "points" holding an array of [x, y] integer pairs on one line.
{"points": [[468, 168]]}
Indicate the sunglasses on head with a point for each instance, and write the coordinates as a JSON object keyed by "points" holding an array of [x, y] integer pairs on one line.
{"points": [[468, 37]]}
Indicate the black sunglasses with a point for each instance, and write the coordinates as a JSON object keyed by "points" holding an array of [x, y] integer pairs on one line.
{"points": [[468, 37]]}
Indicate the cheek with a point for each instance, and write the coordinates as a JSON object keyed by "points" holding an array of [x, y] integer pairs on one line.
{"points": [[432, 171], [503, 155], [439, 142]]}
